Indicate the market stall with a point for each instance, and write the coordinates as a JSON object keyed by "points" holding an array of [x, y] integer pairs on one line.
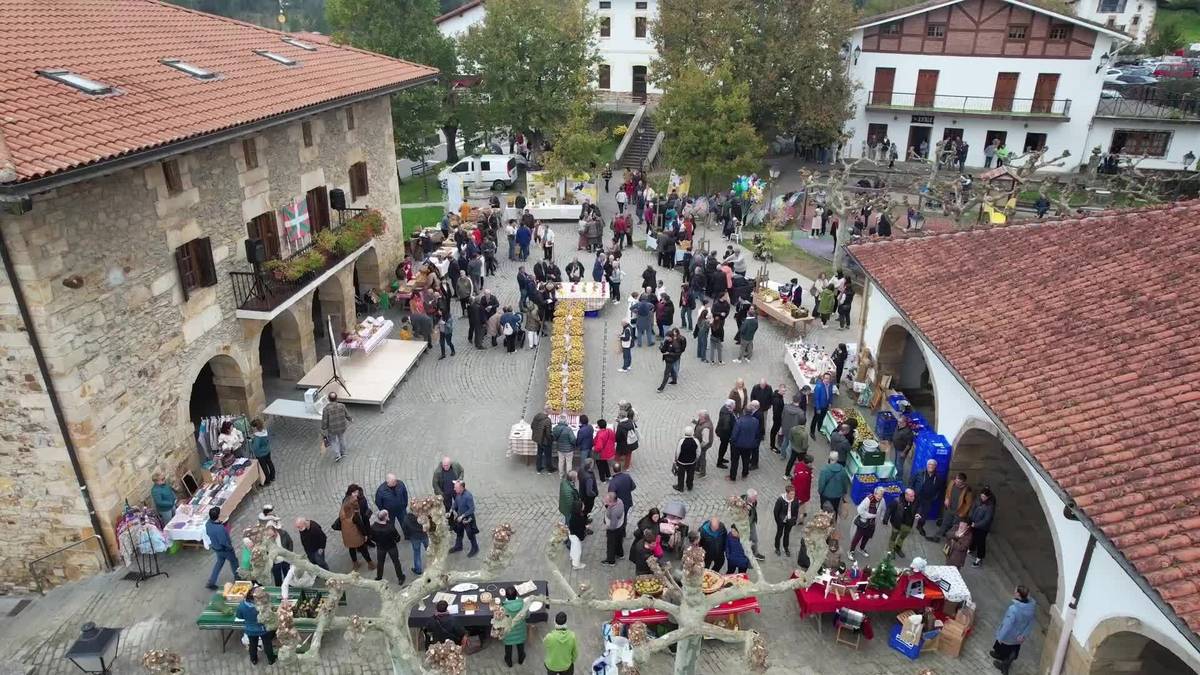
{"points": [[593, 294], [726, 613], [817, 599], [555, 200], [227, 489], [768, 303], [219, 613], [806, 362], [472, 605], [366, 336]]}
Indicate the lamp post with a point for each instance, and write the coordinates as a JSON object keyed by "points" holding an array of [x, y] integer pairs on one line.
{"points": [[95, 650], [774, 173]]}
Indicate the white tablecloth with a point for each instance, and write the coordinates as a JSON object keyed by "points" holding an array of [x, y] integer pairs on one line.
{"points": [[593, 293], [950, 574], [368, 344], [807, 372], [188, 523]]}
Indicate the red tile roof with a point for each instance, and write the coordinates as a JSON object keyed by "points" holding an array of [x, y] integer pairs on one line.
{"points": [[458, 11], [1081, 337], [50, 127]]}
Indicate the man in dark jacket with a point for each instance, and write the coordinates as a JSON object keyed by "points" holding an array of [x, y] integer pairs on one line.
{"points": [[712, 539], [839, 442], [444, 475], [902, 515], [475, 323], [312, 540], [902, 442], [621, 484], [541, 436], [671, 352], [744, 440], [392, 496], [929, 486], [221, 546], [725, 422]]}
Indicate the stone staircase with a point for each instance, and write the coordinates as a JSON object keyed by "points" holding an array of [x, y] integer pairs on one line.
{"points": [[639, 146]]}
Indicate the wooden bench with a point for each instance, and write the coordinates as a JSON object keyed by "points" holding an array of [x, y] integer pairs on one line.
{"points": [[420, 168]]}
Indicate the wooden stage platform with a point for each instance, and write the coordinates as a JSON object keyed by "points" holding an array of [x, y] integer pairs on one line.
{"points": [[370, 378]]}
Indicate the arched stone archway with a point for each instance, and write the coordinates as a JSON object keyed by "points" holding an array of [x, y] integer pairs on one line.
{"points": [[900, 355], [1021, 538], [291, 337], [367, 273], [219, 388], [1122, 652], [337, 300]]}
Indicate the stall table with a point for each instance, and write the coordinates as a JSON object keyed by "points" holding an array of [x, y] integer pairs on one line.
{"points": [[593, 294], [797, 326], [807, 362], [728, 613], [219, 613], [190, 517], [814, 601], [422, 615], [377, 333]]}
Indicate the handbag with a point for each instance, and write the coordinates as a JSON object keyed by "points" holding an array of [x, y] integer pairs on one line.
{"points": [[631, 436], [471, 644], [946, 549]]}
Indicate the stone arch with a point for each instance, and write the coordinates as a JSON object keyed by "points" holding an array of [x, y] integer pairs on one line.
{"points": [[367, 273], [337, 300], [1121, 645], [901, 355], [1023, 538], [220, 386], [289, 340]]}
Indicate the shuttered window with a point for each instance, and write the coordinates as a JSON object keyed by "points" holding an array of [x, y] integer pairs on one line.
{"points": [[358, 180], [195, 262]]}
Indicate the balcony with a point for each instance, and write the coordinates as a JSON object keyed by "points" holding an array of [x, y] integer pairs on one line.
{"points": [[263, 294], [1151, 107], [1058, 109]]}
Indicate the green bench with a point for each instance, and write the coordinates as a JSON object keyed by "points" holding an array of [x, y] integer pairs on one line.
{"points": [[219, 614]]}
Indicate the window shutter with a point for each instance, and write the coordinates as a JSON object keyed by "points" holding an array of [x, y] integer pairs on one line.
{"points": [[183, 264], [205, 269]]}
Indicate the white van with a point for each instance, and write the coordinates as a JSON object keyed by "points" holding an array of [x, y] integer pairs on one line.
{"points": [[498, 171]]}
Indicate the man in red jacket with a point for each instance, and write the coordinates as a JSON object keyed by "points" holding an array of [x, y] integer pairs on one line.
{"points": [[802, 480]]}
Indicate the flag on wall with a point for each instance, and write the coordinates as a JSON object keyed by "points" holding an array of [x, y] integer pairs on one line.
{"points": [[293, 221]]}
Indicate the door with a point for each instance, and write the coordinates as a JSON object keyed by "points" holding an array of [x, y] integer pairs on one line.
{"points": [[318, 208], [926, 88], [881, 91], [263, 228], [639, 82], [1006, 89], [1034, 141], [1043, 93], [952, 134], [916, 136]]}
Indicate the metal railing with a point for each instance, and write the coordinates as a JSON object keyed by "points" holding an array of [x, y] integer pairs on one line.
{"points": [[979, 105], [37, 579], [1154, 107]]}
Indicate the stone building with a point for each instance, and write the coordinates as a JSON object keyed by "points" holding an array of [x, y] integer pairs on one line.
{"points": [[132, 173]]}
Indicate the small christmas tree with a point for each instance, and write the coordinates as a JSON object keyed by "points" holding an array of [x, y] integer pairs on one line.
{"points": [[884, 576]]}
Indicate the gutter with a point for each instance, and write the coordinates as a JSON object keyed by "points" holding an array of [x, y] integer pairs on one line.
{"points": [[15, 192], [55, 403], [1094, 530]]}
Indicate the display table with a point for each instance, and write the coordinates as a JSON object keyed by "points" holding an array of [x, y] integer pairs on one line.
{"points": [[814, 600], [951, 576], [775, 310], [480, 619], [369, 334], [219, 613], [886, 471], [807, 362], [226, 492], [727, 613], [546, 211], [593, 294]]}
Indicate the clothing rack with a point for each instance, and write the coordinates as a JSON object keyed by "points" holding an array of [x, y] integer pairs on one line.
{"points": [[140, 539], [209, 428]]}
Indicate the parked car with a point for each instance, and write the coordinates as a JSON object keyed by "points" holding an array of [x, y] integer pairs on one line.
{"points": [[1138, 70], [498, 171], [1133, 79], [1177, 69], [1110, 93]]}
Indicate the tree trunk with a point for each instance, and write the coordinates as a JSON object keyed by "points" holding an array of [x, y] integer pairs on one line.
{"points": [[451, 133], [687, 656]]}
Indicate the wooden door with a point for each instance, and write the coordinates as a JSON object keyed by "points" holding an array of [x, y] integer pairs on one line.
{"points": [[639, 82], [264, 227], [1043, 93], [318, 209], [1006, 90], [881, 91], [926, 89]]}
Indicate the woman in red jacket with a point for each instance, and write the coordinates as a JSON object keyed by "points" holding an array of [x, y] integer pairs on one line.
{"points": [[604, 446]]}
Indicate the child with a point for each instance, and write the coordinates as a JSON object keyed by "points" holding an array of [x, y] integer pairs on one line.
{"points": [[260, 445]]}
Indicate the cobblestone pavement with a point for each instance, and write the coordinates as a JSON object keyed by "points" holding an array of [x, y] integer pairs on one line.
{"points": [[463, 407]]}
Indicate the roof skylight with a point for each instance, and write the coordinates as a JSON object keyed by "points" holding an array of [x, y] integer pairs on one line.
{"points": [[302, 45], [278, 58], [77, 81], [193, 70]]}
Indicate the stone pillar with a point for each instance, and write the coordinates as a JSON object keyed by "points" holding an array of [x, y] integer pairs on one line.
{"points": [[337, 299], [295, 347]]}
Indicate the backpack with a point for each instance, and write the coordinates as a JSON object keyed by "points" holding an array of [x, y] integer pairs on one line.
{"points": [[506, 329], [631, 436]]}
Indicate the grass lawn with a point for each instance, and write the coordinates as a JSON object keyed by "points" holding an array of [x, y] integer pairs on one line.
{"points": [[412, 190], [1187, 20], [418, 217]]}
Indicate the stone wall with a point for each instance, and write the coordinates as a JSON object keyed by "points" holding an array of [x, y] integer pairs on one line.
{"points": [[125, 347]]}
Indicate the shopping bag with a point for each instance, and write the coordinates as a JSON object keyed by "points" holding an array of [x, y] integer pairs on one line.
{"points": [[324, 445]]}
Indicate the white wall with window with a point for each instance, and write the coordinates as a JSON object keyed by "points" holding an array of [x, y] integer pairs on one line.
{"points": [[1134, 17], [625, 44], [1164, 144]]}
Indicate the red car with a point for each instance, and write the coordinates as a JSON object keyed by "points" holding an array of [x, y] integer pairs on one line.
{"points": [[1180, 69]]}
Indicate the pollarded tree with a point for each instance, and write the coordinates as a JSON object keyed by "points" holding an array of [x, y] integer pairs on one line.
{"points": [[706, 122], [577, 144]]}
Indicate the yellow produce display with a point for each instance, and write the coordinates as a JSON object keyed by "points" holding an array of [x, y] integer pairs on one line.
{"points": [[564, 375]]}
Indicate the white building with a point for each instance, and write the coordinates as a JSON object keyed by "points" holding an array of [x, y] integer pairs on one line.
{"points": [[624, 41], [1041, 403], [978, 70], [1134, 17]]}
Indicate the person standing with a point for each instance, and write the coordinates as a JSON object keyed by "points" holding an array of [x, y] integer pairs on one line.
{"points": [[735, 553], [622, 485], [644, 313], [740, 396], [445, 328], [614, 529], [687, 305], [626, 340], [384, 536], [787, 514], [833, 484], [716, 338], [826, 303], [930, 487], [392, 496], [902, 444], [312, 540], [561, 648], [839, 356], [1015, 628], [260, 446], [793, 435], [703, 427], [902, 515], [627, 439], [778, 397], [541, 426], [746, 336], [871, 511], [444, 476], [744, 439], [982, 516], [802, 479], [352, 523], [563, 440], [518, 633], [701, 332], [335, 419], [221, 546], [713, 535], [671, 354], [686, 455], [164, 497], [253, 628], [725, 422], [958, 544], [418, 539], [621, 198], [956, 505], [547, 243], [822, 399], [463, 517], [604, 448], [845, 299]]}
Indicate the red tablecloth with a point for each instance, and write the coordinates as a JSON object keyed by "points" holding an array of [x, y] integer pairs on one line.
{"points": [[653, 616], [812, 600]]}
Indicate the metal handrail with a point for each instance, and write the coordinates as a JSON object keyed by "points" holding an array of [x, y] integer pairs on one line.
{"points": [[1159, 108], [1057, 107], [630, 132], [99, 554]]}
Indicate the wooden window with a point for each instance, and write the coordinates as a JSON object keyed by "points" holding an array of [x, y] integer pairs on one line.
{"points": [[265, 228], [170, 169], [1111, 6], [1006, 90], [1135, 20], [605, 4], [926, 88], [1135, 143], [936, 31], [250, 153], [195, 263], [639, 26], [358, 180], [349, 118], [892, 28], [1043, 93], [640, 5], [1060, 31], [605, 76], [306, 132], [605, 26], [1017, 33], [318, 208]]}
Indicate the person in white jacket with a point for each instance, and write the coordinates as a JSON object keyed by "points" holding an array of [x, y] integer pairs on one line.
{"points": [[870, 513]]}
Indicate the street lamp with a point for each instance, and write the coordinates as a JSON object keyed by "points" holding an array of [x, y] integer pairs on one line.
{"points": [[95, 649], [857, 52], [774, 174], [1104, 59]]}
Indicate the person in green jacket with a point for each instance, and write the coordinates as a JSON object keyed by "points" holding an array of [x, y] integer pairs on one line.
{"points": [[260, 445], [833, 483], [561, 647], [517, 634], [568, 495], [164, 498], [826, 302]]}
